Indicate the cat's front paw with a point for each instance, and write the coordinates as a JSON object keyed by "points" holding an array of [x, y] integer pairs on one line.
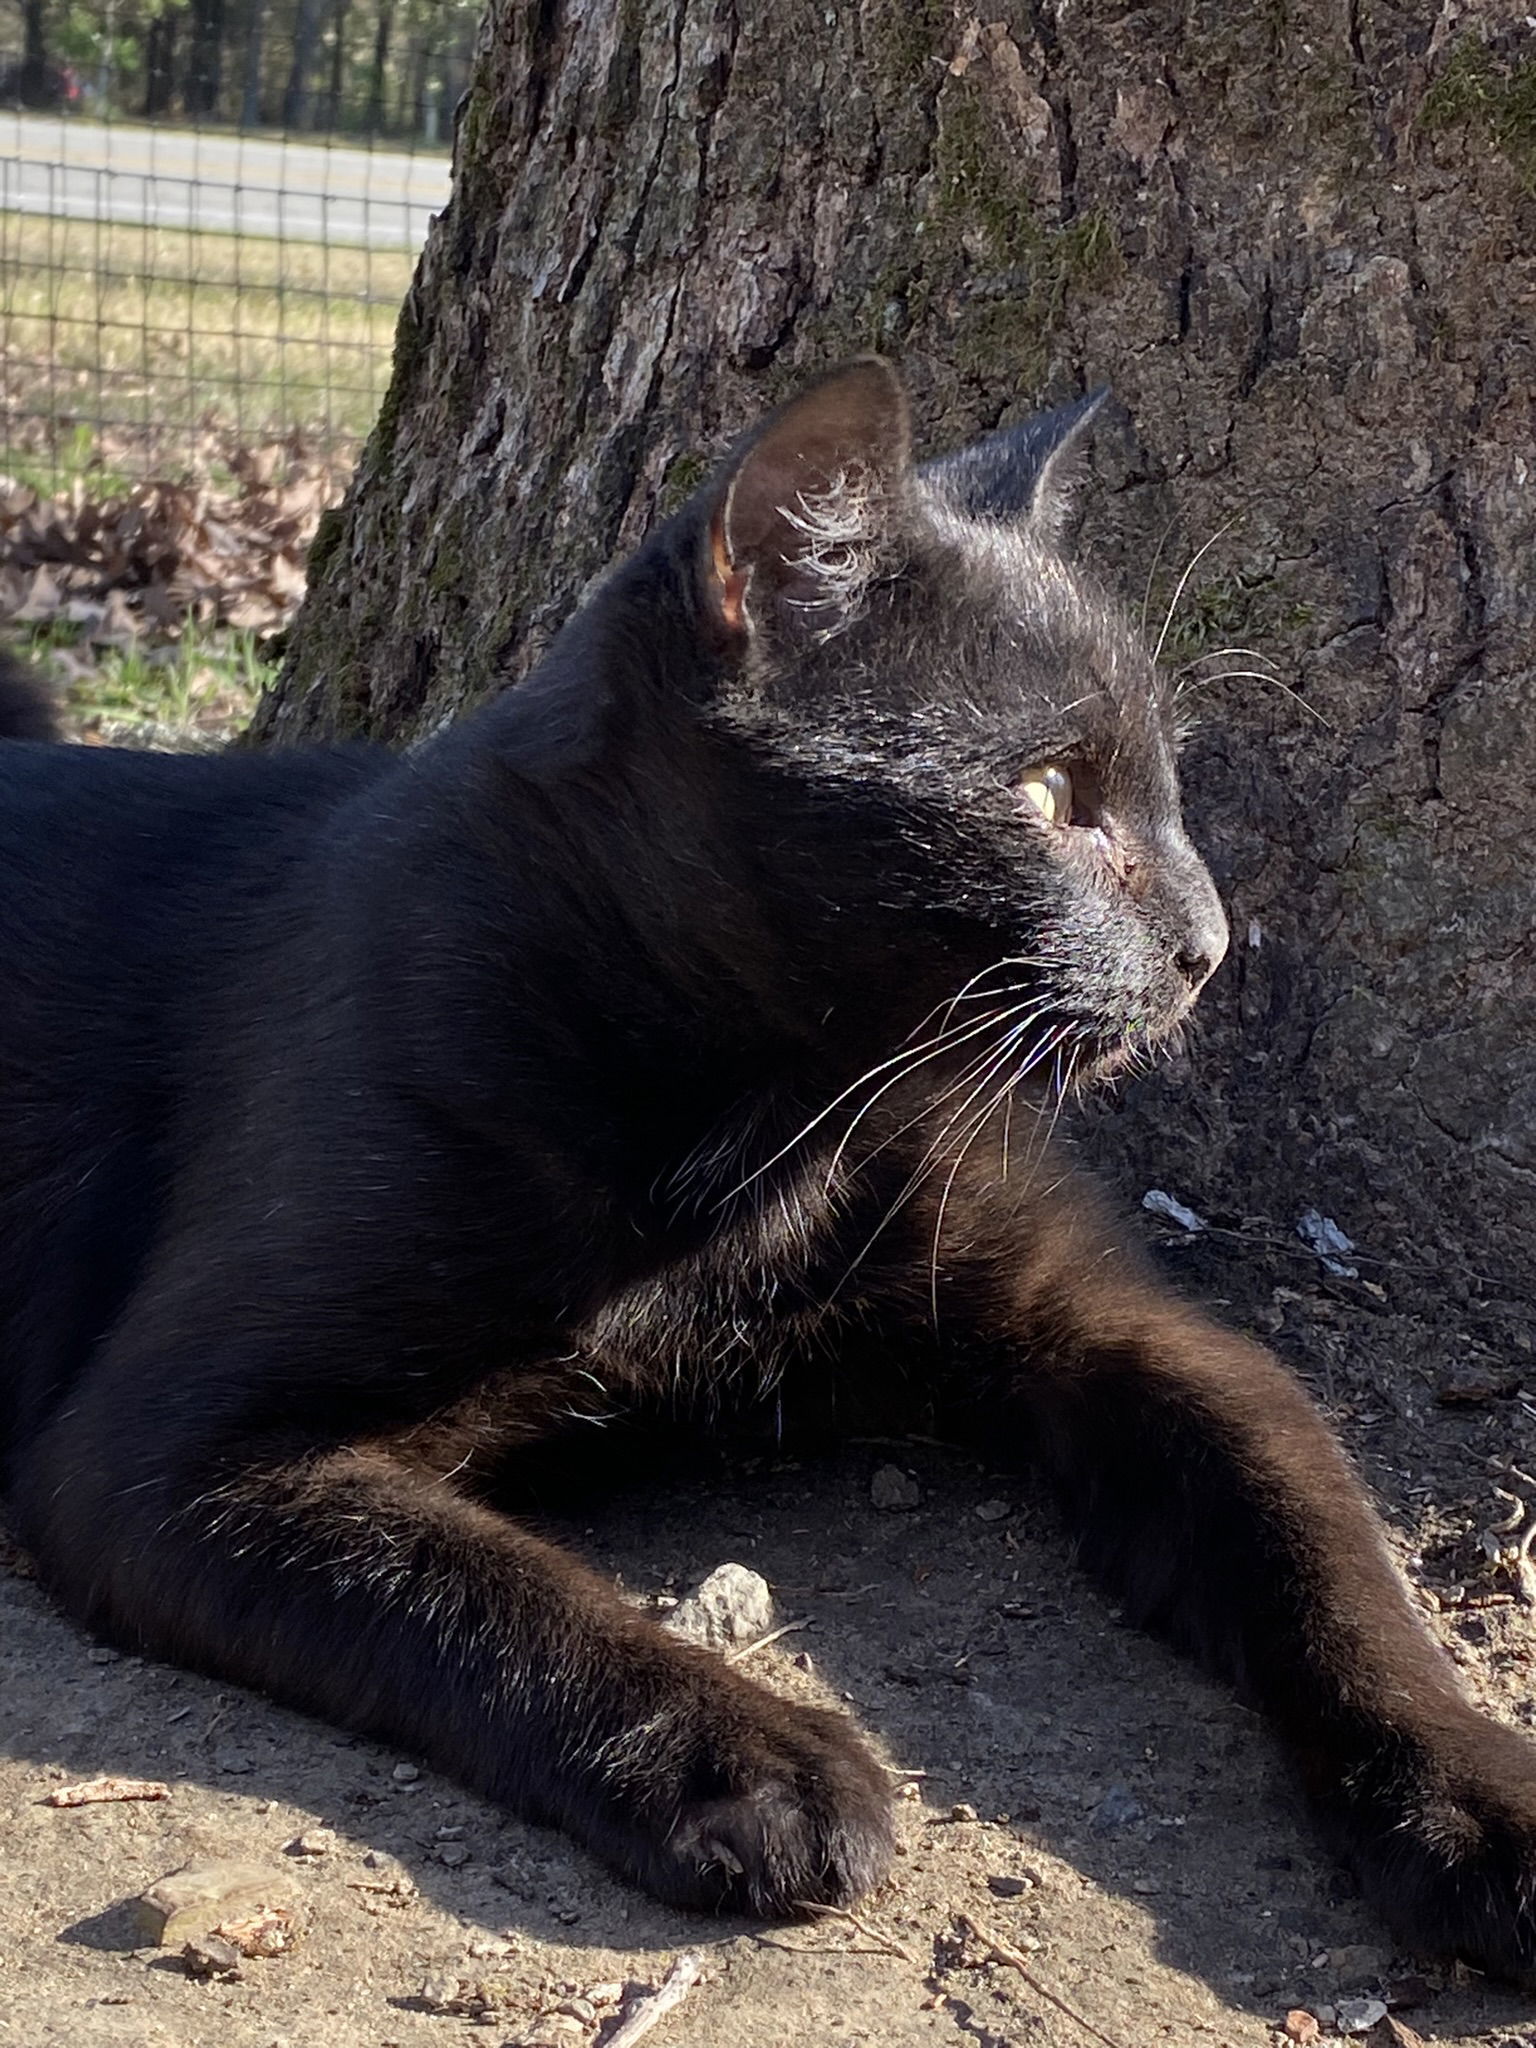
{"points": [[1454, 1871], [784, 1809]]}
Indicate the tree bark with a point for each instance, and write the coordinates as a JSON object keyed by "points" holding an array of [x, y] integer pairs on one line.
{"points": [[1297, 242]]}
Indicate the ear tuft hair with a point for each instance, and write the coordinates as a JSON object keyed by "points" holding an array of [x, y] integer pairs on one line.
{"points": [[1023, 474], [805, 515]]}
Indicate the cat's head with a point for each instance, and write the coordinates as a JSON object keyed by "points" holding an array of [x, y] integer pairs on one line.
{"points": [[907, 649], [956, 758]]}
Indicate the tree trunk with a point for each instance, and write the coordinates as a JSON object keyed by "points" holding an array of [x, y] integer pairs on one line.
{"points": [[160, 63], [34, 40], [373, 116], [1296, 240], [335, 95], [205, 65], [250, 82], [298, 95]]}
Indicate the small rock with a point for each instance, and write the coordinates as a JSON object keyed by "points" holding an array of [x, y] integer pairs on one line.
{"points": [[892, 1488], [578, 2009], [192, 1900], [552, 2030], [405, 1774], [605, 1993], [1299, 2025], [1009, 1887], [1148, 1887], [1358, 2015], [1119, 1808], [1395, 2033], [962, 1810], [313, 1842], [440, 1992], [733, 1605], [233, 1762], [211, 1956], [454, 1854], [102, 1655], [270, 1931], [994, 1511]]}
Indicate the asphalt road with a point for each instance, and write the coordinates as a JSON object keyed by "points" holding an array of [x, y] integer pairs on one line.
{"points": [[230, 184]]}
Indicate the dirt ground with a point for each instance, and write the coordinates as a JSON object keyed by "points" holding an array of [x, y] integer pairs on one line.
{"points": [[1086, 1802]]}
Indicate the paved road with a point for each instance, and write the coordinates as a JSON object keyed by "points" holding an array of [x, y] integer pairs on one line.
{"points": [[305, 192]]}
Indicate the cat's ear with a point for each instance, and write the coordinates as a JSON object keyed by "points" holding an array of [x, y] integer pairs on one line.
{"points": [[804, 517], [1024, 474]]}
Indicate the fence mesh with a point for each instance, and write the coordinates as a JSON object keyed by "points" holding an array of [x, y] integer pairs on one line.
{"points": [[209, 210], [209, 213]]}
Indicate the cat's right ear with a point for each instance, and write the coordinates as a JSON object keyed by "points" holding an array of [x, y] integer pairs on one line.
{"points": [[803, 519], [1023, 474]]}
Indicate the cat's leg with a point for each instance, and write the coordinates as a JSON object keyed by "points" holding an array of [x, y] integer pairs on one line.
{"points": [[1208, 1494], [361, 1587]]}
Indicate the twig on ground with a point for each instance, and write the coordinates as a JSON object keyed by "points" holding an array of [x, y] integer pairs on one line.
{"points": [[644, 2012], [1005, 1952], [787, 1628], [887, 1942], [97, 1791]]}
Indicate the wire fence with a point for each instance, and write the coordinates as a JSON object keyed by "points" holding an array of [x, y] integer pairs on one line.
{"points": [[209, 212]]}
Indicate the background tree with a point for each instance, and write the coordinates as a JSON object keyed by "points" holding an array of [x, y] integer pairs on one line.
{"points": [[1297, 242]]}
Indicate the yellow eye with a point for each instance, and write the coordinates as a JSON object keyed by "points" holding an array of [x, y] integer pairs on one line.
{"points": [[1049, 789]]}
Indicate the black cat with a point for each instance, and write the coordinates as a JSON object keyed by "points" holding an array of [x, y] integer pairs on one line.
{"points": [[684, 1024]]}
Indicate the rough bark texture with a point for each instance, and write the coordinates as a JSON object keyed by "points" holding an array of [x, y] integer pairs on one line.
{"points": [[1296, 240]]}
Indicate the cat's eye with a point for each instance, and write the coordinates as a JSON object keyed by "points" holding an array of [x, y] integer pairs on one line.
{"points": [[1049, 789]]}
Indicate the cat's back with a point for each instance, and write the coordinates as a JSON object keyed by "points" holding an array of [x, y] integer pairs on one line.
{"points": [[131, 842], [126, 879]]}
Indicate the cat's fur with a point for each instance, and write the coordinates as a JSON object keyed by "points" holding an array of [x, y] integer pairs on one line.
{"points": [[363, 1120]]}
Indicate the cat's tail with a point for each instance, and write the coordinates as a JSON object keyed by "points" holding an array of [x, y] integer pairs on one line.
{"points": [[27, 707]]}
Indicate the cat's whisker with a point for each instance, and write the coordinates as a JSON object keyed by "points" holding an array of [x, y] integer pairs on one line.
{"points": [[927, 1108], [921, 1172], [916, 1056], [1023, 1015], [978, 1125], [1179, 588], [1223, 654], [1255, 675], [972, 992], [1040, 1142], [1157, 556]]}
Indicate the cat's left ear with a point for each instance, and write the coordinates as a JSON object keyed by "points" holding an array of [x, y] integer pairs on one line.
{"points": [[803, 519], [1024, 474]]}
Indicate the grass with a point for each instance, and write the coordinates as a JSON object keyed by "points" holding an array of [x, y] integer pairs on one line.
{"points": [[136, 333], [194, 692]]}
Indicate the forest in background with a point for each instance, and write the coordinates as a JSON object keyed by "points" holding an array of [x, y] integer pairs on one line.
{"points": [[364, 68]]}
